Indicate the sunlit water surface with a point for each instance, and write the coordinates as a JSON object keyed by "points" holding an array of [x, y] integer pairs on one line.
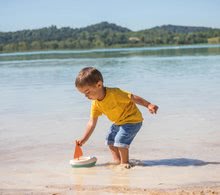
{"points": [[42, 114]]}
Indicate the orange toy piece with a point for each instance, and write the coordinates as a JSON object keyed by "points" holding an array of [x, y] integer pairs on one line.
{"points": [[78, 151], [81, 161]]}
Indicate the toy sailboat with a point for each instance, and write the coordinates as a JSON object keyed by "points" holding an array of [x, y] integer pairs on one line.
{"points": [[81, 161]]}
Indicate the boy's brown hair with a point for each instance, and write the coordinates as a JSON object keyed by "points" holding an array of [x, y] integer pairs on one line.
{"points": [[88, 76]]}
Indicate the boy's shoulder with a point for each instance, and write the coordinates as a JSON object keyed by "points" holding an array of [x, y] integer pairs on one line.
{"points": [[114, 90], [117, 91]]}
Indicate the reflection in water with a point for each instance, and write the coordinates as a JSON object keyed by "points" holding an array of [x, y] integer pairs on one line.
{"points": [[102, 174], [190, 50]]}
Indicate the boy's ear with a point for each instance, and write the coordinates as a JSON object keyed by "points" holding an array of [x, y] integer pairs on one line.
{"points": [[99, 84]]}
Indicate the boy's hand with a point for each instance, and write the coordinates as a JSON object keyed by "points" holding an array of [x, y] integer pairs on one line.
{"points": [[152, 108], [80, 142]]}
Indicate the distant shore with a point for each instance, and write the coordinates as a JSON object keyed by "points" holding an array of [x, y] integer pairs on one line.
{"points": [[104, 35]]}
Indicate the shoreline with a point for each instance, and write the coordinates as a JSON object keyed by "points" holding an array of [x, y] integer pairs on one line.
{"points": [[104, 49]]}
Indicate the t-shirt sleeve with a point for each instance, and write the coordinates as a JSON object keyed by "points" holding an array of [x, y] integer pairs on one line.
{"points": [[125, 95], [94, 112]]}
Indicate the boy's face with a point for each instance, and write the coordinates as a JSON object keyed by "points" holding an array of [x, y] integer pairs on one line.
{"points": [[94, 92]]}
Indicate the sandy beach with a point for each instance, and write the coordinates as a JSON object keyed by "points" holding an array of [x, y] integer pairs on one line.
{"points": [[168, 176], [53, 190], [205, 189]]}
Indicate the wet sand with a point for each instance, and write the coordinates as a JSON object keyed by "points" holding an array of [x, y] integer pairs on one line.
{"points": [[111, 179], [77, 189]]}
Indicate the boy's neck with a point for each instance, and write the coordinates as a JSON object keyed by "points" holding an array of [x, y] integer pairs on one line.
{"points": [[103, 94]]}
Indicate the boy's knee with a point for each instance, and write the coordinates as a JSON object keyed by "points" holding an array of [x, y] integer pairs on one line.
{"points": [[112, 147]]}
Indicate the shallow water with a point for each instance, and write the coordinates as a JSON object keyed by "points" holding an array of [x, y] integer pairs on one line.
{"points": [[42, 114]]}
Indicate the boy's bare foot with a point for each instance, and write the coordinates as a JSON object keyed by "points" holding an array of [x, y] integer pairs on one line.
{"points": [[116, 162], [132, 164], [127, 165]]}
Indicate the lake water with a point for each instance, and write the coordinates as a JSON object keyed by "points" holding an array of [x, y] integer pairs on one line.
{"points": [[41, 114]]}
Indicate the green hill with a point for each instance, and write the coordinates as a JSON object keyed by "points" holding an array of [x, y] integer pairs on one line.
{"points": [[104, 35], [53, 33], [105, 26], [181, 29]]}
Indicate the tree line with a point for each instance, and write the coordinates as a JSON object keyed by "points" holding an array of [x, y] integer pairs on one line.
{"points": [[104, 35]]}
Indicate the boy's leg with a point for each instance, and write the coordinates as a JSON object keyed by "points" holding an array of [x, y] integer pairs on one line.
{"points": [[110, 138], [115, 154], [124, 155], [123, 139]]}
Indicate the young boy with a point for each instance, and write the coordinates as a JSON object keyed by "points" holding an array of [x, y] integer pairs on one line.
{"points": [[119, 106]]}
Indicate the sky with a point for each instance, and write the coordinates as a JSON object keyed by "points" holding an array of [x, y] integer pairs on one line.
{"points": [[134, 14]]}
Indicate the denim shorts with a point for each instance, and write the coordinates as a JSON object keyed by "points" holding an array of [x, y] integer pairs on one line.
{"points": [[122, 135]]}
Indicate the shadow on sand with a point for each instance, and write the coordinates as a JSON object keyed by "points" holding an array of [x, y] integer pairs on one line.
{"points": [[179, 162]]}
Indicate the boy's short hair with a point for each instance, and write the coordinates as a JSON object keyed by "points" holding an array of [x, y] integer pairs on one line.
{"points": [[88, 76]]}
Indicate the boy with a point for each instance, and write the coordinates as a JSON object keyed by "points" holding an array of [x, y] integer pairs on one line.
{"points": [[119, 106]]}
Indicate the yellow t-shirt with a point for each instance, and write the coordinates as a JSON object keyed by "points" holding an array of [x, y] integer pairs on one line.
{"points": [[117, 106]]}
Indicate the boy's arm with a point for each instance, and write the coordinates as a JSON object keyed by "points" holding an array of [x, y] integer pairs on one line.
{"points": [[139, 100], [89, 130]]}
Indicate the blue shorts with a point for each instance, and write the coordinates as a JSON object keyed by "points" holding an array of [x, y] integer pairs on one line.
{"points": [[122, 135]]}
